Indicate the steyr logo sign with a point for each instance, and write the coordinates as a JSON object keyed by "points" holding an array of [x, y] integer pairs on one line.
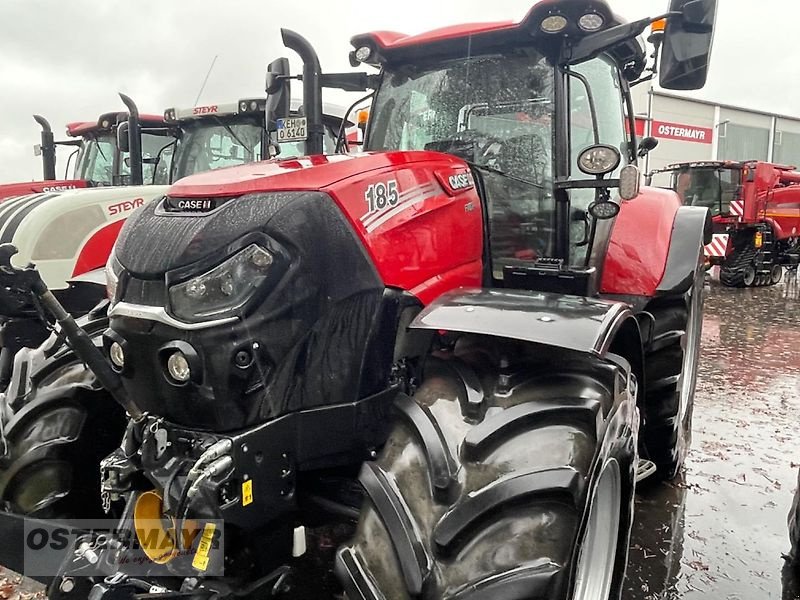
{"points": [[684, 133]]}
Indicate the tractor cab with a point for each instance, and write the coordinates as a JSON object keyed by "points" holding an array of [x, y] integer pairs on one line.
{"points": [[715, 185], [541, 111], [226, 135], [98, 158], [497, 109]]}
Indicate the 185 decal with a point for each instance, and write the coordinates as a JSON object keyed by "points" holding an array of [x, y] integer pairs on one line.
{"points": [[380, 196]]}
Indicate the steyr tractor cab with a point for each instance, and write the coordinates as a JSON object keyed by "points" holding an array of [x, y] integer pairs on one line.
{"points": [[755, 207], [478, 315], [98, 162]]}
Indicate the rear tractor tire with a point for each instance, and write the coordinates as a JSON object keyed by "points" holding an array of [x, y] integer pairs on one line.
{"points": [[512, 481], [671, 362]]}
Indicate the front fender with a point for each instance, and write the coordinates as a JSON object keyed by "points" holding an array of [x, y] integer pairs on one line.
{"points": [[572, 322], [690, 233], [639, 246]]}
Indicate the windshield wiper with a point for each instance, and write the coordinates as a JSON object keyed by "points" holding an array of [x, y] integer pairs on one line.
{"points": [[100, 150], [497, 171], [236, 137]]}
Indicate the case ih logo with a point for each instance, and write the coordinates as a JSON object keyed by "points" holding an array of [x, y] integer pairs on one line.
{"points": [[205, 110], [59, 188], [460, 181], [684, 133], [125, 206]]}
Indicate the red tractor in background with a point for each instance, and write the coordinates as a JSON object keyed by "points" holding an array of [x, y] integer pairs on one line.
{"points": [[99, 161], [452, 339], [755, 207]]}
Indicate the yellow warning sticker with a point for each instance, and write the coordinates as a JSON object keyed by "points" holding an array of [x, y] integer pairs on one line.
{"points": [[200, 560], [247, 492]]}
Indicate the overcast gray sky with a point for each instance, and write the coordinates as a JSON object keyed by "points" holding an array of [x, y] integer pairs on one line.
{"points": [[66, 59]]}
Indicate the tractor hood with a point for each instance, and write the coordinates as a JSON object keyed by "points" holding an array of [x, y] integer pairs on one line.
{"points": [[11, 190], [69, 233], [292, 174]]}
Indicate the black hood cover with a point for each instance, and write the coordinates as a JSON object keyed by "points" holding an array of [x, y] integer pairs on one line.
{"points": [[314, 328]]}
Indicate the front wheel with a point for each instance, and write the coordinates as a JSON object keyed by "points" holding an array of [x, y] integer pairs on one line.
{"points": [[509, 475]]}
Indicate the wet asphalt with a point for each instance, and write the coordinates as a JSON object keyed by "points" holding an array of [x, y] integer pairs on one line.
{"points": [[718, 532]]}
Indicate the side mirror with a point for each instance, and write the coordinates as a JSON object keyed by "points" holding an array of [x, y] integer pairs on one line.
{"points": [[122, 137], [646, 145], [278, 91], [688, 39]]}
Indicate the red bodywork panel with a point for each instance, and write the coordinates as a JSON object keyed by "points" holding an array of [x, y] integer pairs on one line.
{"points": [[427, 240], [95, 252], [639, 246], [772, 194], [392, 39], [9, 190]]}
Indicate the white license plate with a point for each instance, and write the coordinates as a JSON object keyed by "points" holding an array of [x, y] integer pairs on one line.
{"points": [[292, 130]]}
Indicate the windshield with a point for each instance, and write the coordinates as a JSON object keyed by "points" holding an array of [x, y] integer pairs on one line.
{"points": [[495, 112], [209, 144], [711, 187], [206, 145], [95, 161], [156, 150]]}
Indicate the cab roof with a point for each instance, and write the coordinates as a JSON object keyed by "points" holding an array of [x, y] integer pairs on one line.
{"points": [[108, 121], [475, 38]]}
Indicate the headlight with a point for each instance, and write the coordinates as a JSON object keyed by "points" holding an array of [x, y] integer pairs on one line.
{"points": [[599, 159], [113, 269], [553, 24], [224, 288], [591, 22]]}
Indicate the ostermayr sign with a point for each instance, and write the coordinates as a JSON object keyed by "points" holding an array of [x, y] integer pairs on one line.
{"points": [[684, 133]]}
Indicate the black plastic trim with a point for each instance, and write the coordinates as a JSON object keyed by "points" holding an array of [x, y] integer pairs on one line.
{"points": [[410, 551], [520, 415], [563, 483], [442, 467], [691, 230]]}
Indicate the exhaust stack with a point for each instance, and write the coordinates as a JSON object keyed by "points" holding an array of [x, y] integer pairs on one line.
{"points": [[48, 147], [312, 89], [134, 140]]}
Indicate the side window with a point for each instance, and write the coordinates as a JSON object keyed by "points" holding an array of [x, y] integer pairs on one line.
{"points": [[596, 116], [604, 89]]}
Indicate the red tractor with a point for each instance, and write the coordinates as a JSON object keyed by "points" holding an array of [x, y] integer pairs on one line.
{"points": [[756, 213], [473, 320], [99, 161]]}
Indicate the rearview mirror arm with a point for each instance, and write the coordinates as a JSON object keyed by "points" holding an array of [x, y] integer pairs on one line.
{"points": [[597, 43]]}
